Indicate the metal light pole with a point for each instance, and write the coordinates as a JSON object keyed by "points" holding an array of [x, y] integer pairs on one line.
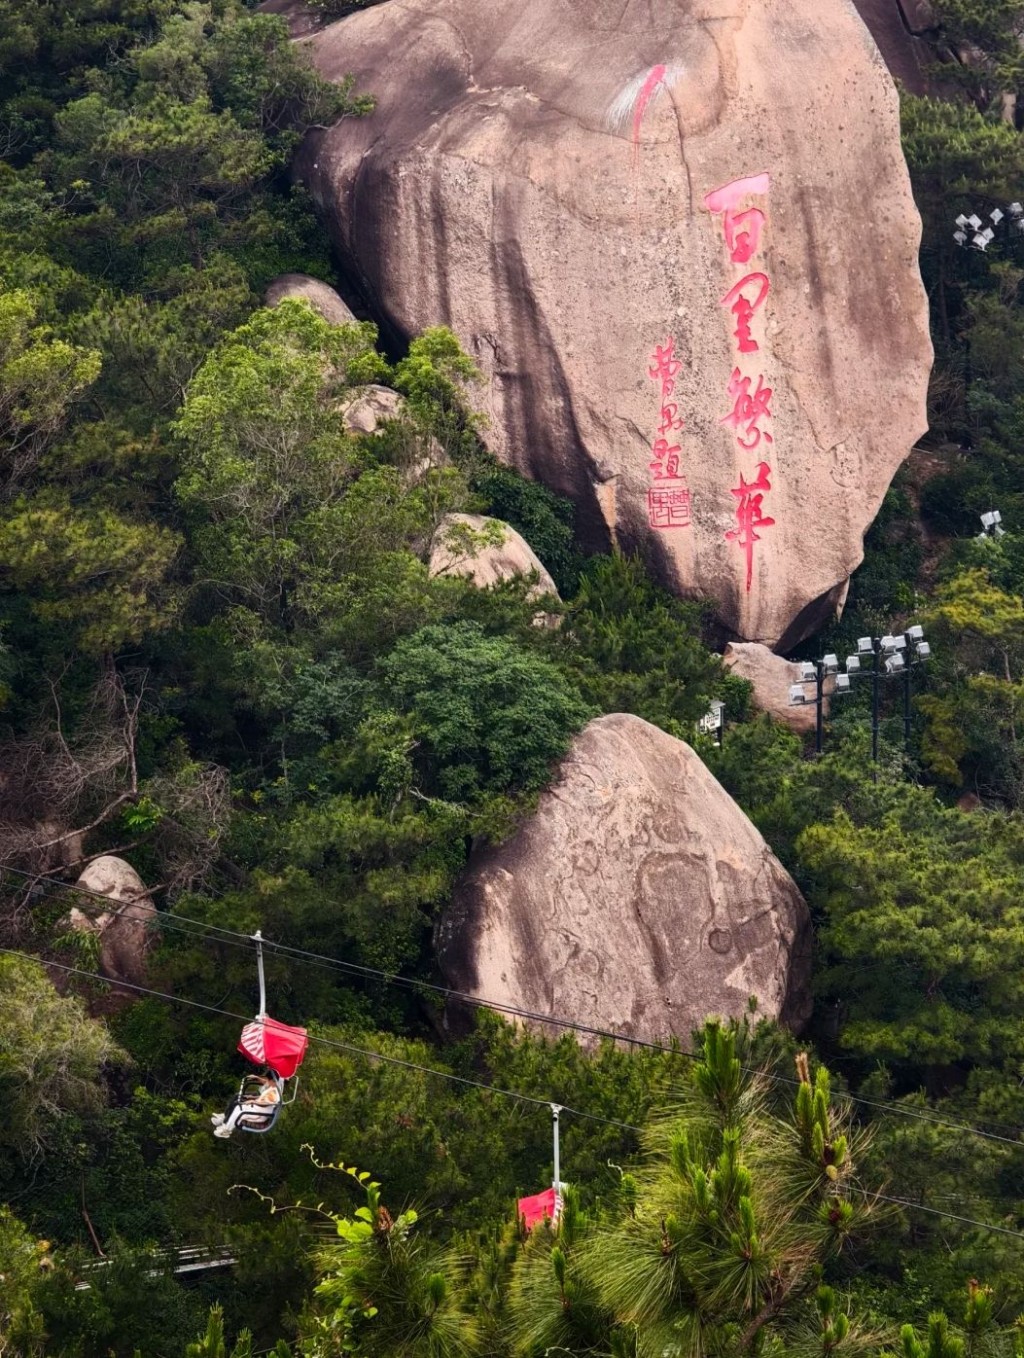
{"points": [[915, 652], [973, 234], [992, 525], [898, 654], [890, 655], [877, 650], [816, 672]]}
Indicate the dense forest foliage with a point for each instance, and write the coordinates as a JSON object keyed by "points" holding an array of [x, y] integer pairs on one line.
{"points": [[224, 658]]}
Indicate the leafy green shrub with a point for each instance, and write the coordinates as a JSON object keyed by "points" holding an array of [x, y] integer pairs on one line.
{"points": [[544, 519], [489, 717]]}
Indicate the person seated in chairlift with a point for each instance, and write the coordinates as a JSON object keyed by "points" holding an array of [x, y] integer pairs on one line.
{"points": [[261, 1107]]}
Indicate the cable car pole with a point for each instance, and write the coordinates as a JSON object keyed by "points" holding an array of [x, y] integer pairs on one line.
{"points": [[258, 940], [556, 1108]]}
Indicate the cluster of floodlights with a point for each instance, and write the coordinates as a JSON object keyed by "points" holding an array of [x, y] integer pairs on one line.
{"points": [[895, 654], [973, 232], [992, 525]]}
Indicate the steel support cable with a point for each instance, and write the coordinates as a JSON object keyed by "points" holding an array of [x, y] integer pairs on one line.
{"points": [[474, 1084], [238, 939]]}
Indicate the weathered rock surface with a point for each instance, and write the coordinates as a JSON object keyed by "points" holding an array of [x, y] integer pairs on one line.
{"points": [[897, 27], [535, 175], [637, 898], [455, 552], [772, 677], [368, 407], [123, 930], [312, 290], [301, 19]]}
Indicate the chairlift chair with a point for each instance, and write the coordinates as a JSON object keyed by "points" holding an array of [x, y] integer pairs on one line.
{"points": [[277, 1047]]}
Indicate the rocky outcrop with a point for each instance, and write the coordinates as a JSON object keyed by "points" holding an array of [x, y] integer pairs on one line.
{"points": [[301, 19], [678, 240], [898, 27], [771, 677], [312, 290], [124, 933], [486, 551], [367, 408], [637, 898]]}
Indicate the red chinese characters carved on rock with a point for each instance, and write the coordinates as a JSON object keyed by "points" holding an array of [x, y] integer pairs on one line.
{"points": [[743, 226], [749, 518], [742, 229], [747, 297], [749, 408], [668, 505]]}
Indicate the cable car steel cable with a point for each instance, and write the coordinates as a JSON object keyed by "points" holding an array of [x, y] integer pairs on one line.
{"points": [[476, 1084], [329, 1042], [236, 938]]}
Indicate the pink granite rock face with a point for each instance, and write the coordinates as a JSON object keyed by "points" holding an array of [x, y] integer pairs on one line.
{"points": [[637, 898], [680, 243]]}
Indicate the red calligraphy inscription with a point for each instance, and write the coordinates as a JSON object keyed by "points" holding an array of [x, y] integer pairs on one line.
{"points": [[749, 408], [665, 367], [669, 507], [749, 518], [742, 229], [665, 463], [743, 307]]}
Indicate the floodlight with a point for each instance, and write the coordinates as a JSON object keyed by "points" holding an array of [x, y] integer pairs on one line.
{"points": [[895, 663], [916, 632], [865, 645], [888, 643], [988, 234], [974, 221], [808, 673], [853, 664], [923, 650], [996, 215], [961, 220], [979, 242], [988, 520], [797, 696], [1017, 209], [960, 237], [831, 663], [842, 683]]}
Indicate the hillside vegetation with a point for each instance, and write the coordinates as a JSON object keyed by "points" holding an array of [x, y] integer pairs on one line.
{"points": [[223, 657]]}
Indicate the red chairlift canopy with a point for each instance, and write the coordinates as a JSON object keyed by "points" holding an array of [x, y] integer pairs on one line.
{"points": [[540, 1206], [270, 1043]]}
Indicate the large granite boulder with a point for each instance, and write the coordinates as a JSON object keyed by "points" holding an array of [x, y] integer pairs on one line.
{"points": [[680, 243], [486, 551], [637, 898], [772, 677], [318, 294], [124, 930]]}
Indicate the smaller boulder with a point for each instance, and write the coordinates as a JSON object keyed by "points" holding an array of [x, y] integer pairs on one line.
{"points": [[123, 930], [636, 898], [486, 551], [771, 677], [319, 295], [365, 409]]}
